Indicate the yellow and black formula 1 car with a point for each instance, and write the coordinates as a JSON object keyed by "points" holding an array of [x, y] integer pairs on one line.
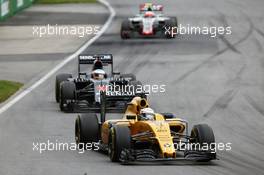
{"points": [[142, 135]]}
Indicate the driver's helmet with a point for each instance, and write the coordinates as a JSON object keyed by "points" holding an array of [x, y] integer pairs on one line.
{"points": [[149, 14], [98, 74], [147, 114], [98, 64], [149, 8]]}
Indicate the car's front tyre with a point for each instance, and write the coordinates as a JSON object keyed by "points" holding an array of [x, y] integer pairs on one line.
{"points": [[67, 92], [119, 139], [203, 135], [86, 129], [59, 79]]}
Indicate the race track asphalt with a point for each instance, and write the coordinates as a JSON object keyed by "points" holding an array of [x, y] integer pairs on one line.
{"points": [[214, 81]]}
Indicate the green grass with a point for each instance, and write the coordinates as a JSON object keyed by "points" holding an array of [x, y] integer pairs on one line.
{"points": [[63, 1], [8, 88]]}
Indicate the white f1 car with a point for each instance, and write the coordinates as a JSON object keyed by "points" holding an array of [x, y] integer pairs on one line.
{"points": [[149, 22]]}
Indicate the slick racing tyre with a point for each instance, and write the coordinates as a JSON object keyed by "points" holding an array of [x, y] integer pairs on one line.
{"points": [[171, 23], [86, 129], [125, 30], [59, 79], [203, 135], [174, 22], [119, 140], [67, 92]]}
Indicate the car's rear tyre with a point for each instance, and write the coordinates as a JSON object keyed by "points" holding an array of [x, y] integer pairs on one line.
{"points": [[67, 92], [171, 23], [204, 135], [175, 24], [125, 30], [60, 78], [86, 129], [119, 139], [174, 21]]}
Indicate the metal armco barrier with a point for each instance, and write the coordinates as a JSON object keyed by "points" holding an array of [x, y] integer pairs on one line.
{"points": [[10, 7]]}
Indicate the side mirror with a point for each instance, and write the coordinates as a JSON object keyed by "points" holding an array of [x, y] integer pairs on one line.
{"points": [[168, 115], [116, 73], [82, 74], [131, 117]]}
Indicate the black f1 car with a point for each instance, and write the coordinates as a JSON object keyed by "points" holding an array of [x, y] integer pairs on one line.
{"points": [[84, 93]]}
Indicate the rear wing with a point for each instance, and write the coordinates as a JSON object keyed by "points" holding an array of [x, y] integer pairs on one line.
{"points": [[150, 7], [108, 99], [89, 59]]}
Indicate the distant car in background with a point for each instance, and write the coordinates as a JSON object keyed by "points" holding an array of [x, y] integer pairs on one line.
{"points": [[149, 22]]}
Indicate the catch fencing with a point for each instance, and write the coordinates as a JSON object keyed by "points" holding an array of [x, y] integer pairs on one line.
{"points": [[10, 7]]}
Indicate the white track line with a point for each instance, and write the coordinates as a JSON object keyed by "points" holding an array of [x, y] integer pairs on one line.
{"points": [[64, 62]]}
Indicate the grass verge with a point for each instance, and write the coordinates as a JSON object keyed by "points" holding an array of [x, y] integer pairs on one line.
{"points": [[8, 88], [63, 1]]}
